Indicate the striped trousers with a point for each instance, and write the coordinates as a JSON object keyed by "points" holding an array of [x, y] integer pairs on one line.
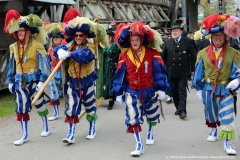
{"points": [[219, 109], [136, 109], [24, 96], [74, 101]]}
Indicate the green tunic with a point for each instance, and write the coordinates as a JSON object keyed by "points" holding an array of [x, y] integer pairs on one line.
{"points": [[110, 61], [99, 82]]}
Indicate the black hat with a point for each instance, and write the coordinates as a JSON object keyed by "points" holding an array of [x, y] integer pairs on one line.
{"points": [[167, 33], [177, 24], [185, 33], [110, 32]]}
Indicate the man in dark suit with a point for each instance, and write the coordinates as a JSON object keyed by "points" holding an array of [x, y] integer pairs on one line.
{"points": [[235, 43], [178, 54], [204, 43]]}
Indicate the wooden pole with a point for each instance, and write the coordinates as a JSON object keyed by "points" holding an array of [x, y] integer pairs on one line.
{"points": [[47, 81]]}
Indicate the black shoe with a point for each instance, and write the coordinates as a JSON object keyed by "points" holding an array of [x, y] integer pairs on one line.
{"points": [[110, 106], [183, 115], [177, 113], [169, 101]]}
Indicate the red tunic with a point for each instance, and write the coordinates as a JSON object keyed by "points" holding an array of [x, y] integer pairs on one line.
{"points": [[143, 77]]}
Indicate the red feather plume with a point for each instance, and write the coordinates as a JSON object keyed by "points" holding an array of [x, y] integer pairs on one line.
{"points": [[71, 14], [150, 32], [118, 31], [11, 14], [210, 21], [137, 28]]}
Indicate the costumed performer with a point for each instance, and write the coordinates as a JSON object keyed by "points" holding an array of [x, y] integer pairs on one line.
{"points": [[29, 67], [141, 79], [79, 68], [217, 76]]}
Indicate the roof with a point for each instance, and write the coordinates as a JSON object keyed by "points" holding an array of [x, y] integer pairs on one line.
{"points": [[51, 1], [57, 1]]}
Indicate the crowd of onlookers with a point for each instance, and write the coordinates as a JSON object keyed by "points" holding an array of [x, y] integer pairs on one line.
{"points": [[201, 41]]}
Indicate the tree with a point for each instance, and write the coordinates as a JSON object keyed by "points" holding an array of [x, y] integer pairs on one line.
{"points": [[229, 7]]}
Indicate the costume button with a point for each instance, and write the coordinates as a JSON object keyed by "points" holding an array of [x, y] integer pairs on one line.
{"points": [[223, 82], [179, 58], [173, 64], [173, 58], [179, 64]]}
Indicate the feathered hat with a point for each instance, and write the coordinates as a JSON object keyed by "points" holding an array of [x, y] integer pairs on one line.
{"points": [[14, 21], [232, 27], [54, 29], [213, 23], [177, 24], [150, 37], [69, 15], [90, 28], [221, 23], [198, 35]]}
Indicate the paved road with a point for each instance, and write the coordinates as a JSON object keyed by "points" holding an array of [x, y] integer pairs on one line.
{"points": [[174, 138]]}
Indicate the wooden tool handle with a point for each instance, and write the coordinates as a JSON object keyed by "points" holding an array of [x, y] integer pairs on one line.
{"points": [[47, 81]]}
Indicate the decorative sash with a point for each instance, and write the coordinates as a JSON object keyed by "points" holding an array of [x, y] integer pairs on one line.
{"points": [[216, 63]]}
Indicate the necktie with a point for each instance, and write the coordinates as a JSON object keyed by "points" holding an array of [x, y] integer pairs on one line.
{"points": [[177, 42]]}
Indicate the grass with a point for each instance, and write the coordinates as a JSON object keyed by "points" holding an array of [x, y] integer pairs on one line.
{"points": [[7, 104]]}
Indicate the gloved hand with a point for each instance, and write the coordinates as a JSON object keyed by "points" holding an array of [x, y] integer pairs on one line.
{"points": [[10, 87], [39, 86], [199, 95], [119, 99], [161, 95], [233, 84], [62, 54]]}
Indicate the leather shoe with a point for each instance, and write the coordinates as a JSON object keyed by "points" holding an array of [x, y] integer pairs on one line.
{"points": [[53, 118], [20, 142], [169, 101], [45, 134], [230, 150], [177, 113], [183, 115], [91, 136], [69, 141], [137, 152], [110, 106], [211, 138]]}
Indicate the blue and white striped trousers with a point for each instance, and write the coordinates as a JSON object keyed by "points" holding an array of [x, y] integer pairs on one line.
{"points": [[74, 102], [136, 109], [219, 109], [24, 95]]}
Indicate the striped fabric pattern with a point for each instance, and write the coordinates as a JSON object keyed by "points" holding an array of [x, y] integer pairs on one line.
{"points": [[24, 95], [74, 102], [45, 123], [219, 109], [135, 110], [24, 127]]}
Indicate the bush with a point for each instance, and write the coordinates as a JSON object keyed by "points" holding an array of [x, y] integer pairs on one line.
{"points": [[7, 104]]}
